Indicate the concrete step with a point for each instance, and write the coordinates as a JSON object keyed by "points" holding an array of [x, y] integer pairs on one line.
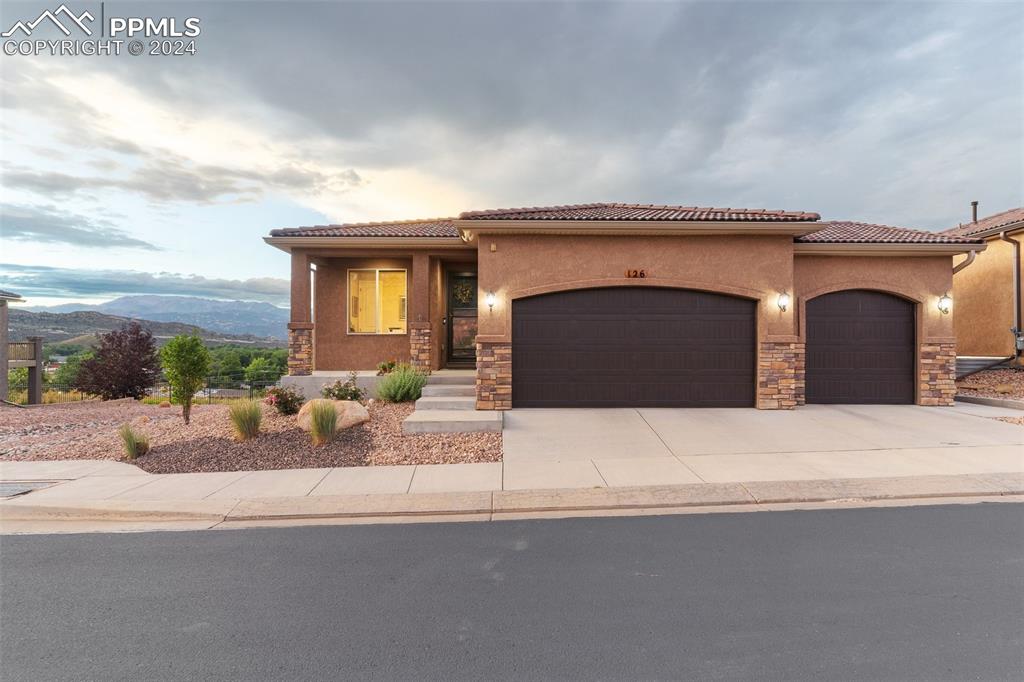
{"points": [[462, 378], [449, 390], [442, 402], [452, 421]]}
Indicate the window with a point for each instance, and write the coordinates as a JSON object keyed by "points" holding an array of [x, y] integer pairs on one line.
{"points": [[377, 301]]}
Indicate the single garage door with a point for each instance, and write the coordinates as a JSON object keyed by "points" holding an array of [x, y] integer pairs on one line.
{"points": [[860, 348], [633, 347]]}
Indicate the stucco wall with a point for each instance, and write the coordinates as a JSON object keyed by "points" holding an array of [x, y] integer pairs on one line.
{"points": [[921, 279], [983, 302], [334, 347], [758, 267]]}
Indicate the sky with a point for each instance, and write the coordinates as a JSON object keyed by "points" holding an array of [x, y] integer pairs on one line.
{"points": [[160, 174]]}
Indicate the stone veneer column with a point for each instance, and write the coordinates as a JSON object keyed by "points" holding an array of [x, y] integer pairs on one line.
{"points": [[300, 349], [420, 348], [780, 375], [937, 373], [493, 376]]}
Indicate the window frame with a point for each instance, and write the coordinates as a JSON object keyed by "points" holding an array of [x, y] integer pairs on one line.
{"points": [[377, 303]]}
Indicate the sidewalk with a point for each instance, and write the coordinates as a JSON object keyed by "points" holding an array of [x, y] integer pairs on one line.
{"points": [[104, 492]]}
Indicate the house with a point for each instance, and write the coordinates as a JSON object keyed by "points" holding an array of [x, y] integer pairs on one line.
{"points": [[988, 311], [604, 305]]}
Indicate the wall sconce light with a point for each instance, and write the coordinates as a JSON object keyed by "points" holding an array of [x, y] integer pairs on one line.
{"points": [[783, 301], [945, 303], [489, 300]]}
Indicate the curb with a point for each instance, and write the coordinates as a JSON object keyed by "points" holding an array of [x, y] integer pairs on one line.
{"points": [[991, 402], [515, 503]]}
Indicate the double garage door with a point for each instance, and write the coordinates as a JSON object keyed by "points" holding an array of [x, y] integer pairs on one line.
{"points": [[652, 347]]}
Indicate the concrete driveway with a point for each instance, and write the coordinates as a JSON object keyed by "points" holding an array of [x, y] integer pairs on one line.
{"points": [[616, 447]]}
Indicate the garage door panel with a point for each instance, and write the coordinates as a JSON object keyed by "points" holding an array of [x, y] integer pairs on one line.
{"points": [[861, 348], [633, 346]]}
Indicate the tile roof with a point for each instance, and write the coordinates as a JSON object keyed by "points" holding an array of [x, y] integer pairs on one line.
{"points": [[835, 232], [638, 212], [433, 227], [9, 295], [849, 232], [992, 222]]}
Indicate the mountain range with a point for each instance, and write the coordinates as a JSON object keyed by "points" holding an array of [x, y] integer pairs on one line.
{"points": [[81, 328], [225, 317]]}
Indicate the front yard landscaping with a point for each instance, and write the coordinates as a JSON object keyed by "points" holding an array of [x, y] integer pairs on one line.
{"points": [[90, 431], [1004, 383]]}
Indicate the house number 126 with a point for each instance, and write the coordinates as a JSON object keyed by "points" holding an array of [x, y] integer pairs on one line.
{"points": [[632, 274]]}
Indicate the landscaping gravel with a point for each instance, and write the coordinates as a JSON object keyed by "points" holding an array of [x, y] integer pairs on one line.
{"points": [[89, 431], [994, 383]]}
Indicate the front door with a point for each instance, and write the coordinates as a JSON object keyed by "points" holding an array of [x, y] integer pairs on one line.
{"points": [[461, 320]]}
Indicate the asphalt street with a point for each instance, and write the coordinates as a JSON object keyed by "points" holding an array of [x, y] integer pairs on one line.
{"points": [[900, 593]]}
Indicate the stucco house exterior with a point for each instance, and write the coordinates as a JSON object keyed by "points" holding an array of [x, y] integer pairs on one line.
{"points": [[634, 305], [988, 311]]}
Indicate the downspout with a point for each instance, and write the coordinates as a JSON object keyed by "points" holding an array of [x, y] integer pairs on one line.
{"points": [[970, 259], [1018, 333]]}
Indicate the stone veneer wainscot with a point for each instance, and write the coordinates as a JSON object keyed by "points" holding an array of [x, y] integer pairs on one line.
{"points": [[493, 376], [300, 349]]}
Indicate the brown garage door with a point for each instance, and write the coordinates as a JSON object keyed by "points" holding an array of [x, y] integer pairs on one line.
{"points": [[860, 348], [633, 346]]}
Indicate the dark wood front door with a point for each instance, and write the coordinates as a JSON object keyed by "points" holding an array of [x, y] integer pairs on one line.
{"points": [[633, 347], [860, 348], [461, 320]]}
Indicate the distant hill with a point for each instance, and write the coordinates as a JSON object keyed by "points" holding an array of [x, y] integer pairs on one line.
{"points": [[81, 328], [228, 317]]}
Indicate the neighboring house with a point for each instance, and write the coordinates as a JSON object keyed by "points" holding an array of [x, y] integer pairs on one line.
{"points": [[633, 305], [988, 310]]}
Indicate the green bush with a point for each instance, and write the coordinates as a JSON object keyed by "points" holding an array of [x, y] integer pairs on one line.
{"points": [[323, 421], [403, 384], [245, 417], [135, 443], [186, 365], [343, 390]]}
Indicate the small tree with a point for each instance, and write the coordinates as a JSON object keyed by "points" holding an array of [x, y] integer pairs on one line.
{"points": [[261, 370], [67, 374], [186, 364], [124, 366]]}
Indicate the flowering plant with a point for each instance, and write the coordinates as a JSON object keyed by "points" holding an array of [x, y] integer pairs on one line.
{"points": [[284, 399]]}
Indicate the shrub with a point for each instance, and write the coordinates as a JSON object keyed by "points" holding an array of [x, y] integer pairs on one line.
{"points": [[245, 417], [386, 367], [323, 421], [124, 366], [343, 390], [186, 364], [284, 399], [135, 443], [405, 383]]}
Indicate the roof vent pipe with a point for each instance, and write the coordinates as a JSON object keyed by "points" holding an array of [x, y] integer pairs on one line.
{"points": [[974, 211]]}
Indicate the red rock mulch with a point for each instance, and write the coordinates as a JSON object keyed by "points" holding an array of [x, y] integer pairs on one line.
{"points": [[89, 431], [994, 383]]}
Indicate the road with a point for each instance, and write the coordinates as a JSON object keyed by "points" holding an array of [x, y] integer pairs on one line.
{"points": [[900, 593]]}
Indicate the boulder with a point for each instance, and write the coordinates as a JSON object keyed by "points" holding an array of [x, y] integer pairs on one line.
{"points": [[350, 413]]}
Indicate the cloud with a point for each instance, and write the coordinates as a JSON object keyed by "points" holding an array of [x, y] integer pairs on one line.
{"points": [[48, 224], [887, 111], [177, 179], [75, 283]]}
